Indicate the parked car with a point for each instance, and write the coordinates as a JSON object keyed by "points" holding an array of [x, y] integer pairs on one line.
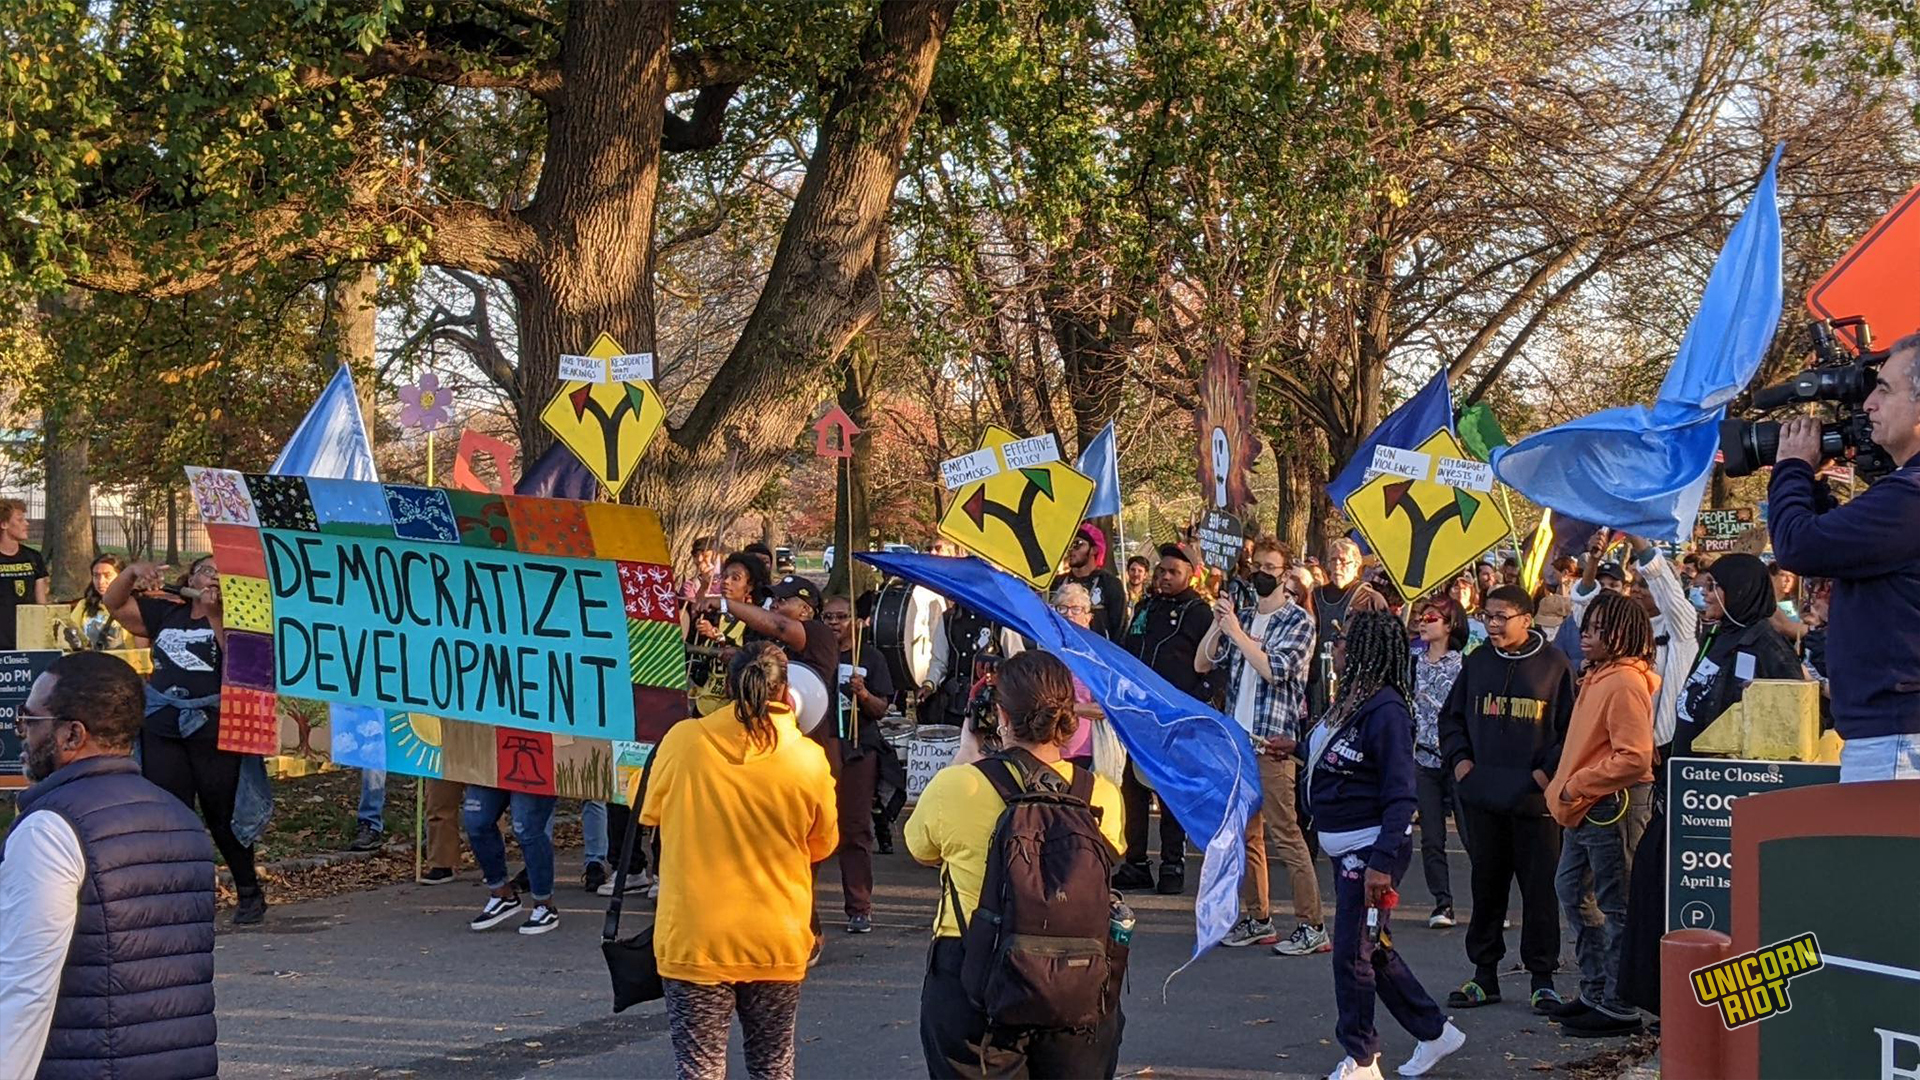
{"points": [[783, 560]]}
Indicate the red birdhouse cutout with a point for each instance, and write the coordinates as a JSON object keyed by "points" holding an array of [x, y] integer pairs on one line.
{"points": [[833, 434]]}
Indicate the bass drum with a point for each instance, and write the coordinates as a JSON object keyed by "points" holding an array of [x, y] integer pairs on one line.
{"points": [[903, 631]]}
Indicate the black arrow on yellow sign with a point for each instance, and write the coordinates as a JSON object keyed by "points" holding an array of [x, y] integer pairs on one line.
{"points": [[1425, 528], [584, 402], [1018, 521]]}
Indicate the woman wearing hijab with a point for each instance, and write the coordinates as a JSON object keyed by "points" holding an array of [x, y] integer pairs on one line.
{"points": [[1741, 645]]}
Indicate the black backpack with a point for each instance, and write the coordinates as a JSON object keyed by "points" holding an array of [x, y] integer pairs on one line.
{"points": [[1038, 952]]}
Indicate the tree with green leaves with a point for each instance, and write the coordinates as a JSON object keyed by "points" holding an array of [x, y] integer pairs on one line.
{"points": [[165, 147]]}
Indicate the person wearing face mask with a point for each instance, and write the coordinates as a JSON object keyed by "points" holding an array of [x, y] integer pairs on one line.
{"points": [[1266, 649], [1741, 644], [98, 848]]}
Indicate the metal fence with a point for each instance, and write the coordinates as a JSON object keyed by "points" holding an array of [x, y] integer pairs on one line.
{"points": [[120, 526]]}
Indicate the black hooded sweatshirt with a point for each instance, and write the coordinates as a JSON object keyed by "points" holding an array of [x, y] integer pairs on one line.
{"points": [[1508, 714], [1720, 675]]}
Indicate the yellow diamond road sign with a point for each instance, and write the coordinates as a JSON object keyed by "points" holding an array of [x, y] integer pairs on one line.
{"points": [[1019, 519], [1424, 532], [607, 425]]}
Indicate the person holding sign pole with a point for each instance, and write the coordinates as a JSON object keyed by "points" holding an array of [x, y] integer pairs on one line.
{"points": [[179, 739], [864, 688]]}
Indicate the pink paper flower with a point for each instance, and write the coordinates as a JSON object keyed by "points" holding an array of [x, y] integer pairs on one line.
{"points": [[424, 406]]}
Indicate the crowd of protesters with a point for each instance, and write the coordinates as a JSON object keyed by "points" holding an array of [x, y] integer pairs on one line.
{"points": [[1539, 721]]}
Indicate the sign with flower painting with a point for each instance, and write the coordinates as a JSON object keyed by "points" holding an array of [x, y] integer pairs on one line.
{"points": [[425, 406]]}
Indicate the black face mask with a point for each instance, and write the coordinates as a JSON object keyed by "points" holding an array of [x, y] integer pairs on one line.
{"points": [[1263, 583]]}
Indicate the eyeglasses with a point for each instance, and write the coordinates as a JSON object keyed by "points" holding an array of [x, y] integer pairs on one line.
{"points": [[1496, 617], [21, 721], [835, 616], [1431, 616], [1080, 541], [1072, 609]]}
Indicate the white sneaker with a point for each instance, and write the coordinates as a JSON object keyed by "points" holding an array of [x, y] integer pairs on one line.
{"points": [[1429, 1052], [1305, 941], [1348, 1069], [639, 882]]}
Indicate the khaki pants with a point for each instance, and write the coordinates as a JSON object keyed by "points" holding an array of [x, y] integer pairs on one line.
{"points": [[444, 799], [1279, 820]]}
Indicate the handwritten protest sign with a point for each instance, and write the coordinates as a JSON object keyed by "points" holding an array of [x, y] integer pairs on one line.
{"points": [[1717, 532], [490, 638]]}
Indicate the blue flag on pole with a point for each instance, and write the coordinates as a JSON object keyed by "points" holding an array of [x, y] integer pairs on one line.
{"points": [[1643, 469], [1100, 459], [1406, 427], [558, 474], [332, 441], [1201, 763]]}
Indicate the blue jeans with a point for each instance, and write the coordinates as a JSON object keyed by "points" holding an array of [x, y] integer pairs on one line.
{"points": [[531, 816], [1359, 975], [1596, 862], [1883, 757], [373, 798], [593, 831]]}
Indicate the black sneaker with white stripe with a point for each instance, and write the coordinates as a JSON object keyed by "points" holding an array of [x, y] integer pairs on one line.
{"points": [[542, 920], [498, 910]]}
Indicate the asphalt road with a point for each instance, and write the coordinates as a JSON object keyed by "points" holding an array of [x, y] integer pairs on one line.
{"points": [[391, 983]]}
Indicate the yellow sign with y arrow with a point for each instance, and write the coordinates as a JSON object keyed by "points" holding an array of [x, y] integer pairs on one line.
{"points": [[1023, 515], [1426, 532], [606, 422]]}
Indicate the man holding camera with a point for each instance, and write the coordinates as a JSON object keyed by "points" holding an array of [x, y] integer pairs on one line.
{"points": [[1871, 548]]}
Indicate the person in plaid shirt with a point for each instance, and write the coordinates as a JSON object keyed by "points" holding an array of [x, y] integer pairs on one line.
{"points": [[1267, 649]]}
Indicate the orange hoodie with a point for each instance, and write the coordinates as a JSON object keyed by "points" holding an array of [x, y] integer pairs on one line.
{"points": [[1609, 744]]}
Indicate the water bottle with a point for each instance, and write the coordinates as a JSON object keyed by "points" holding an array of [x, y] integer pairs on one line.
{"points": [[1120, 921]]}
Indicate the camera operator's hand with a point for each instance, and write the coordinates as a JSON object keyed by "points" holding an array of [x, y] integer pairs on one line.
{"points": [[1800, 440]]}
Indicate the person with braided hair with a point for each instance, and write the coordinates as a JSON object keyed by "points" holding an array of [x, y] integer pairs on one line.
{"points": [[1360, 793], [1601, 794]]}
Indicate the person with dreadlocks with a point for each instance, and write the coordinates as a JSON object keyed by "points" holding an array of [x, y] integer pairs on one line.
{"points": [[1601, 794], [1360, 793]]}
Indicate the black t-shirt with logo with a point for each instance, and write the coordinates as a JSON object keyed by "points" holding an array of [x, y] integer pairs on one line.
{"points": [[879, 684], [18, 572], [186, 662]]}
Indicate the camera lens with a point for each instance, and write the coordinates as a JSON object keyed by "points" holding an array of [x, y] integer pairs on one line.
{"points": [[1745, 447]]}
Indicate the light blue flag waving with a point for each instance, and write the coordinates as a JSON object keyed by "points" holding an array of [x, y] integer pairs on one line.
{"points": [[1100, 459], [332, 441], [1643, 469], [1406, 427], [1201, 763]]}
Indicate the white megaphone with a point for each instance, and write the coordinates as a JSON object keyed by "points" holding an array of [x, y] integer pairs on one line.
{"points": [[808, 696]]}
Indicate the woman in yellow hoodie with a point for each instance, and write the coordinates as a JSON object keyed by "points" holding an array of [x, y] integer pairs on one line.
{"points": [[745, 807], [1601, 793]]}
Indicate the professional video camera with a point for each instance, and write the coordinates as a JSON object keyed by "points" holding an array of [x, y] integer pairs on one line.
{"points": [[1839, 375]]}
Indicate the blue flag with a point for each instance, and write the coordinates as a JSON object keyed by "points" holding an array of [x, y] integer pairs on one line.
{"points": [[1199, 761], [332, 441], [1406, 427], [1100, 459], [558, 475], [1643, 469]]}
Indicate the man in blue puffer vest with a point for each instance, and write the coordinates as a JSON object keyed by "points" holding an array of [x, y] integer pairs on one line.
{"points": [[98, 847]]}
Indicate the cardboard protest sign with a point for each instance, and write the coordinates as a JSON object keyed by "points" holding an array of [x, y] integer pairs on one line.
{"points": [[1718, 532], [1020, 518], [496, 639], [1426, 532], [1229, 442], [607, 421], [1221, 537]]}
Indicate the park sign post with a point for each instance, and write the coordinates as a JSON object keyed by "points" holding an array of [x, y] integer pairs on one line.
{"points": [[18, 670], [491, 639], [1015, 503]]}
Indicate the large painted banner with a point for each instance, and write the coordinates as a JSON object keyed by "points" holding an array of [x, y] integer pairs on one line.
{"points": [[519, 642]]}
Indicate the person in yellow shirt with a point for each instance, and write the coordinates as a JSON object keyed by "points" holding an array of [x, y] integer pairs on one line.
{"points": [[744, 805], [952, 828]]}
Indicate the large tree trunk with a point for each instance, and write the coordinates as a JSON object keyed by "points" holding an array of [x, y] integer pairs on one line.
{"points": [[352, 313], [823, 288], [593, 213], [68, 537]]}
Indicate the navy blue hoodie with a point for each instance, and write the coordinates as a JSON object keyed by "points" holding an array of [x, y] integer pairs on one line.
{"points": [[1871, 548], [1363, 777]]}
